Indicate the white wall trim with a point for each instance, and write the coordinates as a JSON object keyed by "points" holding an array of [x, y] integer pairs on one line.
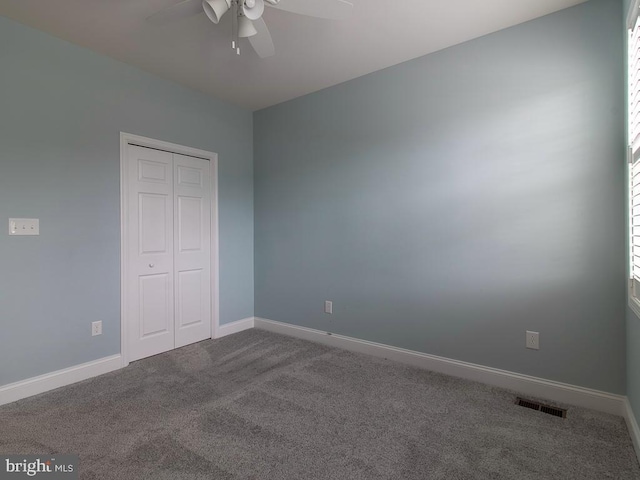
{"points": [[632, 426], [538, 387], [633, 303], [632, 14], [234, 327], [43, 383], [525, 384], [125, 140], [61, 378]]}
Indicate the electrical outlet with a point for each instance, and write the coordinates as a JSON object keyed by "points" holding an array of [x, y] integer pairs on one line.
{"points": [[96, 328], [328, 307], [533, 340]]}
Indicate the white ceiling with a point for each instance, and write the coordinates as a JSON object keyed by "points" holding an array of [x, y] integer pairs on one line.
{"points": [[311, 53]]}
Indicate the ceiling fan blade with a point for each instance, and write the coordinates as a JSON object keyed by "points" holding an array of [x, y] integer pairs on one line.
{"points": [[330, 9], [262, 42], [185, 8]]}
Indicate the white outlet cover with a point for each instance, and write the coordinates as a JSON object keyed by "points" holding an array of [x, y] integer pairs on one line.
{"points": [[533, 340], [328, 307], [96, 328]]}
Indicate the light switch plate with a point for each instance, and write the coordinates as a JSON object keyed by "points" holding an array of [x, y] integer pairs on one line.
{"points": [[24, 226]]}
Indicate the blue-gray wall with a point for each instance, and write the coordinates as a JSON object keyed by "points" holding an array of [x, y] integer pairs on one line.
{"points": [[450, 203], [633, 323], [61, 111]]}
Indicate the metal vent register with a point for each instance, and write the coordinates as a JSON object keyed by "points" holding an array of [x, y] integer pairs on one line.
{"points": [[556, 412]]}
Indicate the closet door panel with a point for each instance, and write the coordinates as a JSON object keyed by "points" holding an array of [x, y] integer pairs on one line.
{"points": [[192, 240], [150, 252]]}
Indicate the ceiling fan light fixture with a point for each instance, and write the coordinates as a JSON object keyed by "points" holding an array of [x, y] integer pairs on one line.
{"points": [[245, 27], [253, 9], [215, 9]]}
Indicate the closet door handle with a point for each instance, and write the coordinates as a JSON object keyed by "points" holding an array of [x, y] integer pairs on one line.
{"points": [[151, 265]]}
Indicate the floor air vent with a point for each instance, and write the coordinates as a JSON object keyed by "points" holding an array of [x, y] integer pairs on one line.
{"points": [[556, 412]]}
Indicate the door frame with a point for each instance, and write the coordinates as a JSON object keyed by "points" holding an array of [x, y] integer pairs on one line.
{"points": [[125, 140]]}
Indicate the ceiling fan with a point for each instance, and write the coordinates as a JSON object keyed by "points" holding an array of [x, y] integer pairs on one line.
{"points": [[247, 21]]}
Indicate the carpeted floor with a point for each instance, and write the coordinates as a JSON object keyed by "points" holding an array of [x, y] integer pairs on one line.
{"points": [[257, 405]]}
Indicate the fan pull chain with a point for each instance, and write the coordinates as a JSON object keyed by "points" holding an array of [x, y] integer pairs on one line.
{"points": [[236, 41], [233, 25]]}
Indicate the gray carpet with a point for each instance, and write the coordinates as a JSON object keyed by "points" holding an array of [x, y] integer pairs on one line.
{"points": [[257, 405]]}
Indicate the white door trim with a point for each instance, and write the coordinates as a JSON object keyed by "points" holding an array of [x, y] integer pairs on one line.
{"points": [[126, 139]]}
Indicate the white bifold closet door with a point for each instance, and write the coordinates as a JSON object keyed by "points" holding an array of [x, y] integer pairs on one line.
{"points": [[169, 251]]}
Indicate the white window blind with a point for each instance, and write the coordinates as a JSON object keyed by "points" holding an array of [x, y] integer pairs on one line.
{"points": [[634, 83], [634, 149]]}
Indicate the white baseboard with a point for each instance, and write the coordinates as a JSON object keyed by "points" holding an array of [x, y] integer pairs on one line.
{"points": [[632, 425], [43, 383], [234, 327], [538, 387], [525, 384]]}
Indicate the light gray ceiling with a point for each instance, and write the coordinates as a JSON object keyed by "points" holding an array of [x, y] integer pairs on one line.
{"points": [[311, 53]]}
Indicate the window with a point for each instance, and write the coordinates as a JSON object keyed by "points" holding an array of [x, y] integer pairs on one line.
{"points": [[633, 45]]}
